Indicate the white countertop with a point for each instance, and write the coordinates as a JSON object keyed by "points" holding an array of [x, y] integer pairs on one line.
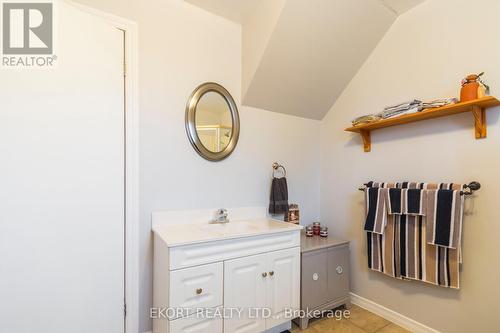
{"points": [[184, 234]]}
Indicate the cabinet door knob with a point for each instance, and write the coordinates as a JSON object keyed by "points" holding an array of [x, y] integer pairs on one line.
{"points": [[264, 274], [199, 291], [315, 277], [271, 273], [339, 269]]}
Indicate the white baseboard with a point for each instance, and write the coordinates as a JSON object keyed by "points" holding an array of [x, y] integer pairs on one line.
{"points": [[393, 316]]}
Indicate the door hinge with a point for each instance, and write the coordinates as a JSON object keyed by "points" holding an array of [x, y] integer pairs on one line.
{"points": [[125, 309], [124, 69]]}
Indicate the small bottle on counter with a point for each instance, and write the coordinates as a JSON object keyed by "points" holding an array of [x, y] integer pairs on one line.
{"points": [[324, 232], [316, 228], [309, 231]]}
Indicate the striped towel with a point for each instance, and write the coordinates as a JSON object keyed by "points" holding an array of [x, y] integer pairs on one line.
{"points": [[402, 250], [442, 186], [376, 211], [409, 185], [444, 217], [408, 201]]}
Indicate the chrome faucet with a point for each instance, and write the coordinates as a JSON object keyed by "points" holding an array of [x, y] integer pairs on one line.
{"points": [[220, 216]]}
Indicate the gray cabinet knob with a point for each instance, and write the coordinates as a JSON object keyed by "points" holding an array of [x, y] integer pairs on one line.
{"points": [[264, 274], [199, 291], [339, 270]]}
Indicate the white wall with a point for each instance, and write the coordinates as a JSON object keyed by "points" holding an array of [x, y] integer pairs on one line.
{"points": [[425, 54], [181, 46]]}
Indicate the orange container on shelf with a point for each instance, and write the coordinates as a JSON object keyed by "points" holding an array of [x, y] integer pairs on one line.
{"points": [[470, 88]]}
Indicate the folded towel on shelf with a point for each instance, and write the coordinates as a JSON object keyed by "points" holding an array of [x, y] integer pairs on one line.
{"points": [[403, 106], [409, 107], [278, 203], [366, 119], [412, 106], [439, 103], [444, 217], [397, 113], [376, 211]]}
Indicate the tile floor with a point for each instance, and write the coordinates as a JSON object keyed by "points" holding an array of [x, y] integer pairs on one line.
{"points": [[360, 321]]}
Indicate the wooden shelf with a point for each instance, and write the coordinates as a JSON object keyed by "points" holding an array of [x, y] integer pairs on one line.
{"points": [[477, 107]]}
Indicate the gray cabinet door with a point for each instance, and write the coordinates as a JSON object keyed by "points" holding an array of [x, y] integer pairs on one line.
{"points": [[314, 279], [338, 272]]}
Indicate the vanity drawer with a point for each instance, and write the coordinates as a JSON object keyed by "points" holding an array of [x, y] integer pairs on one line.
{"points": [[197, 287], [214, 251], [193, 324]]}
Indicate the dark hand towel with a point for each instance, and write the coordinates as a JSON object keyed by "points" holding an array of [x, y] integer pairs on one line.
{"points": [[278, 203]]}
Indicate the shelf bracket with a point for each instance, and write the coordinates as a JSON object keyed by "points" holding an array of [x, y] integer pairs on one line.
{"points": [[479, 121], [367, 140]]}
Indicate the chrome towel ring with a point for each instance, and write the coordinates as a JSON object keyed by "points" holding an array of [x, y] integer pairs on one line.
{"points": [[276, 167]]}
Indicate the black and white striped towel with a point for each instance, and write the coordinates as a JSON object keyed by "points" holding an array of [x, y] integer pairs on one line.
{"points": [[376, 209], [407, 201], [444, 217]]}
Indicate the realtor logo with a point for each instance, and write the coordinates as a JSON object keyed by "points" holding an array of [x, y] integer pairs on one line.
{"points": [[27, 29]]}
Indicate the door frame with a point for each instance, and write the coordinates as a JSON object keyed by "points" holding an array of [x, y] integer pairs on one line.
{"points": [[132, 175]]}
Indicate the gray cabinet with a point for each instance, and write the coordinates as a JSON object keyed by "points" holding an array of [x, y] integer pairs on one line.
{"points": [[338, 272], [324, 275], [314, 279]]}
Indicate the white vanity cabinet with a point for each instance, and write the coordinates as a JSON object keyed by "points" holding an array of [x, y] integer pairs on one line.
{"points": [[258, 274], [283, 290], [265, 281]]}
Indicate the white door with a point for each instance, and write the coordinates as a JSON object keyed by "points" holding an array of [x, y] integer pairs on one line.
{"points": [[245, 288], [283, 289], [62, 185]]}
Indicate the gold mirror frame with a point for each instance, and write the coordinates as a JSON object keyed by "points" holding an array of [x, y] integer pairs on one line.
{"points": [[191, 121]]}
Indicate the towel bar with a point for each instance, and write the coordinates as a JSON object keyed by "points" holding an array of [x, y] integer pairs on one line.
{"points": [[468, 188]]}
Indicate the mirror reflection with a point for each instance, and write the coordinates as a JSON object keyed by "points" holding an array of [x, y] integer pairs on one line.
{"points": [[213, 120]]}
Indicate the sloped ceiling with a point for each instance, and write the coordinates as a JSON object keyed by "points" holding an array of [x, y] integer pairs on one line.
{"points": [[234, 10], [299, 55], [401, 6]]}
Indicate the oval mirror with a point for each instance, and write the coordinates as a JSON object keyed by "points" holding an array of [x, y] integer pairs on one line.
{"points": [[212, 121]]}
